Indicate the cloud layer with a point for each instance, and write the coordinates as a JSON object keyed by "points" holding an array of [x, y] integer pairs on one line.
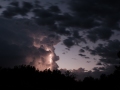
{"points": [[24, 42]]}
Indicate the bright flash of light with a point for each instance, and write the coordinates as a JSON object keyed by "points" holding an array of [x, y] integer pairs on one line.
{"points": [[50, 60], [50, 56]]}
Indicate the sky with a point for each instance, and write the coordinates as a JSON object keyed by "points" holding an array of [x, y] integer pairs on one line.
{"points": [[77, 35]]}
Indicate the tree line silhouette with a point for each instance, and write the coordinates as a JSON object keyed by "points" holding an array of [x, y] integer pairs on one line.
{"points": [[28, 77]]}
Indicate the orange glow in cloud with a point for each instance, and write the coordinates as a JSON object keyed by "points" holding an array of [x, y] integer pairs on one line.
{"points": [[50, 59]]}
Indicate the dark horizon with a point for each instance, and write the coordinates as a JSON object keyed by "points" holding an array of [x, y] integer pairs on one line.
{"points": [[27, 77]]}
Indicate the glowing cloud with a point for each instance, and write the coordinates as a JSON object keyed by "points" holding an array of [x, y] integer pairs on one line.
{"points": [[27, 43]]}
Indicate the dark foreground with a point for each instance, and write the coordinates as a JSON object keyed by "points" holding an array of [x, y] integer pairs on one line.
{"points": [[27, 77]]}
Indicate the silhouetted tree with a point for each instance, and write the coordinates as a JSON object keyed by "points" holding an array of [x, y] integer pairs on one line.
{"points": [[27, 77]]}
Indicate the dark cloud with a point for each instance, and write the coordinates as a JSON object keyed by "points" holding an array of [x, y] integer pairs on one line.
{"points": [[42, 13], [108, 53], [14, 9], [65, 19], [82, 55], [54, 28], [48, 17], [54, 9], [99, 68], [92, 38], [86, 48], [15, 3], [76, 34], [0, 7], [100, 9], [24, 42], [11, 55], [45, 21], [74, 40], [96, 69], [62, 31], [84, 14], [67, 49], [100, 18], [63, 53], [27, 6], [82, 50], [10, 12], [99, 33], [102, 68], [68, 42], [75, 21], [37, 4], [81, 73], [99, 63]]}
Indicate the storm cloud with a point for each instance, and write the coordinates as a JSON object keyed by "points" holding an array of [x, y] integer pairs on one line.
{"points": [[24, 42], [108, 53], [31, 41]]}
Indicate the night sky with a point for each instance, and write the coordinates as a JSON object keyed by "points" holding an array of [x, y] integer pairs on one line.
{"points": [[77, 35]]}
